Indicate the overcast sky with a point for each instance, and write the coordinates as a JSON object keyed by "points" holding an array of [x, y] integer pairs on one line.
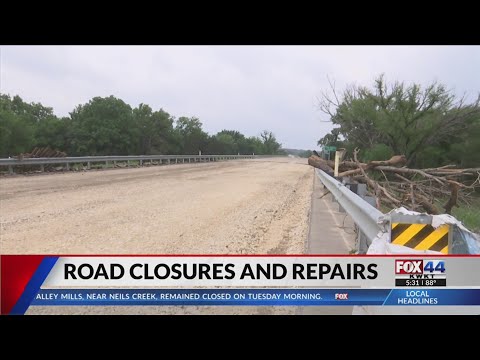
{"points": [[245, 88]]}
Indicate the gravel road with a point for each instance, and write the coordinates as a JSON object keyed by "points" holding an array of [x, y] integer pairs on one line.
{"points": [[234, 207]]}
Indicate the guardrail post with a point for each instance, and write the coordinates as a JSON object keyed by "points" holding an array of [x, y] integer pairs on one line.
{"points": [[333, 199], [362, 242], [10, 169], [141, 162], [67, 165], [128, 163], [114, 163], [42, 168], [88, 165], [168, 161], [362, 190]]}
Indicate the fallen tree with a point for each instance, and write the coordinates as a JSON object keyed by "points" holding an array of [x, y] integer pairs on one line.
{"points": [[39, 152], [394, 185]]}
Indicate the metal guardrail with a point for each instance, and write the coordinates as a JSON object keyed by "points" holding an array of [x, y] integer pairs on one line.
{"points": [[167, 159], [369, 219]]}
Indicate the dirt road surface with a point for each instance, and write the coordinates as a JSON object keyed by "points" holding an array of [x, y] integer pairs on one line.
{"points": [[233, 207]]}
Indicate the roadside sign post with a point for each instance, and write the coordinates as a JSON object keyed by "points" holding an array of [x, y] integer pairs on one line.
{"points": [[338, 157]]}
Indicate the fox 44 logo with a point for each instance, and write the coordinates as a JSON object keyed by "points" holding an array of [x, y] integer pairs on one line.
{"points": [[420, 268]]}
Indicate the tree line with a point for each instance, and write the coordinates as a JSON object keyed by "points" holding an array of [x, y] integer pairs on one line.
{"points": [[429, 125], [109, 126]]}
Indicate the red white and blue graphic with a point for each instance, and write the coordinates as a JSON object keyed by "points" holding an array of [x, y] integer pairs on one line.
{"points": [[21, 278], [41, 280]]}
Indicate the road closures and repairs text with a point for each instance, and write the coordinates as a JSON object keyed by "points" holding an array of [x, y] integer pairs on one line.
{"points": [[220, 271]]}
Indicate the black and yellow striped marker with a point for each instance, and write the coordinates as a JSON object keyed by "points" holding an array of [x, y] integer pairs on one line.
{"points": [[420, 236]]}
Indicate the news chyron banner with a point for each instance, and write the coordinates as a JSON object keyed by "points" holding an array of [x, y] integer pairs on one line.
{"points": [[28, 280]]}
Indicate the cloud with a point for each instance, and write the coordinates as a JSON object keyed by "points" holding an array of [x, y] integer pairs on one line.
{"points": [[246, 88]]}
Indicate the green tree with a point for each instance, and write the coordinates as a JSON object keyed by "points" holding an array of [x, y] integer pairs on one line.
{"points": [[154, 129], [30, 112], [465, 152], [242, 145], [16, 134], [189, 136], [221, 144], [405, 118], [54, 133], [19, 123], [104, 126], [270, 144], [334, 138], [109, 126], [254, 145]]}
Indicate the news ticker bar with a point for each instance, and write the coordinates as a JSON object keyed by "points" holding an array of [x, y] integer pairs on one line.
{"points": [[256, 297], [23, 277]]}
